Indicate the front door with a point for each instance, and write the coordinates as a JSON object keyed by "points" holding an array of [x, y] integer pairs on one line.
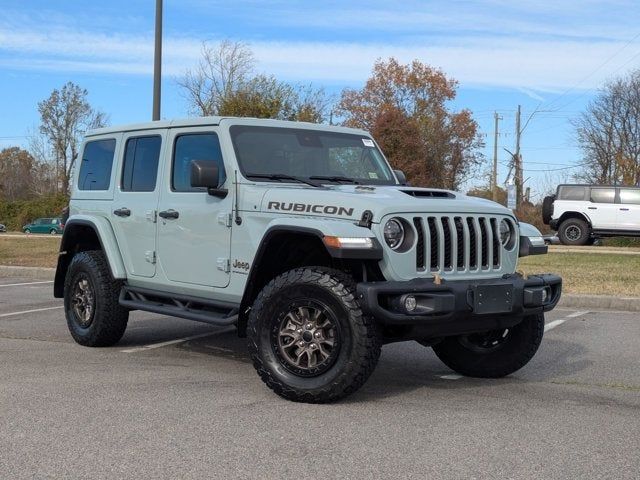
{"points": [[194, 236], [135, 202]]}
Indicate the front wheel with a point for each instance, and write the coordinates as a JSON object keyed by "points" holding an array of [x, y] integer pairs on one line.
{"points": [[27, 231], [308, 338], [495, 353]]}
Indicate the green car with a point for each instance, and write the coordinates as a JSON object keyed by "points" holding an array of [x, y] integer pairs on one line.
{"points": [[52, 226]]}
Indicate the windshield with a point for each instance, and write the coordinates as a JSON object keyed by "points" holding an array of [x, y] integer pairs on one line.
{"points": [[265, 153]]}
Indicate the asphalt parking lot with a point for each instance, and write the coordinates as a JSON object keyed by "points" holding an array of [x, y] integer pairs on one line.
{"points": [[158, 406]]}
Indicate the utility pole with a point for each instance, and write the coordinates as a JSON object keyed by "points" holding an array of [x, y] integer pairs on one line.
{"points": [[157, 63], [494, 176], [518, 161]]}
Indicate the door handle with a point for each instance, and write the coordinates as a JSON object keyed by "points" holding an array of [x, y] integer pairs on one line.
{"points": [[624, 209], [169, 214], [122, 212], [592, 208]]}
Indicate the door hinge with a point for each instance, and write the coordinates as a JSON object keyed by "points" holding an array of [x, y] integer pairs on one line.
{"points": [[150, 256], [224, 265], [152, 215], [225, 219]]}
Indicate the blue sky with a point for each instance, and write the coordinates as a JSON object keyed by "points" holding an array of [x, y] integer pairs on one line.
{"points": [[546, 55]]}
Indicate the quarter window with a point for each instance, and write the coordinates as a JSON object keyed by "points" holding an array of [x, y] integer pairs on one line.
{"points": [[603, 195], [140, 168], [200, 146], [571, 193], [630, 196], [97, 160]]}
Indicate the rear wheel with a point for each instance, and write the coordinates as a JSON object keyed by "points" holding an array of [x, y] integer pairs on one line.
{"points": [[574, 231], [27, 230], [94, 315], [495, 353], [308, 338], [53, 231]]}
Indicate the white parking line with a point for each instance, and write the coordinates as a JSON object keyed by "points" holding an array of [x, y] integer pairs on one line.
{"points": [[177, 340], [451, 377], [24, 284], [2, 315], [560, 321]]}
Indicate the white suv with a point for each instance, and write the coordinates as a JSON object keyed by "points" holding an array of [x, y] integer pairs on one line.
{"points": [[582, 213]]}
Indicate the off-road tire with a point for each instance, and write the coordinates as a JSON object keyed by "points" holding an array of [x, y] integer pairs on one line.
{"points": [[109, 319], [518, 348], [360, 342], [547, 209], [574, 231]]}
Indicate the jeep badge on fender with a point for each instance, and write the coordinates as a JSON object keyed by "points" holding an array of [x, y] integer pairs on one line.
{"points": [[303, 238]]}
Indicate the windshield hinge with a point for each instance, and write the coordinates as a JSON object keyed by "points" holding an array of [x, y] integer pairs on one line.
{"points": [[225, 219]]}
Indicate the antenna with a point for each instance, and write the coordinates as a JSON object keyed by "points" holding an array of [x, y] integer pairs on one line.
{"points": [[237, 210]]}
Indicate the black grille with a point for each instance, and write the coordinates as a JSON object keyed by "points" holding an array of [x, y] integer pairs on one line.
{"points": [[460, 233], [420, 265], [433, 243], [473, 251]]}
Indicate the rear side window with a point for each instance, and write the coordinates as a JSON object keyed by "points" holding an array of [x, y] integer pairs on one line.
{"points": [[197, 146], [571, 192], [603, 195], [140, 168], [630, 196], [97, 160]]}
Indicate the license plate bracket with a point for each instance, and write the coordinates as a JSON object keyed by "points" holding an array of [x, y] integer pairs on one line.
{"points": [[491, 299]]}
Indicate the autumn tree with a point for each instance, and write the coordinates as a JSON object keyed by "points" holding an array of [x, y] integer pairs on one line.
{"points": [[225, 83], [64, 117], [608, 132], [16, 168], [405, 108]]}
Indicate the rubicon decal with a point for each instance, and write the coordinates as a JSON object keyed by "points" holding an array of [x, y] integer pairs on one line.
{"points": [[308, 208]]}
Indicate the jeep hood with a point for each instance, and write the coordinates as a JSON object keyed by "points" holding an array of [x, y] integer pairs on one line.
{"points": [[350, 201]]}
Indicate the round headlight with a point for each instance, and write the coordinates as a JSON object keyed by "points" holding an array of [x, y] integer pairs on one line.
{"points": [[393, 233], [506, 232]]}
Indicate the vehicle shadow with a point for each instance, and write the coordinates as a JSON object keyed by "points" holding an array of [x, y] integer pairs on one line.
{"points": [[408, 366]]}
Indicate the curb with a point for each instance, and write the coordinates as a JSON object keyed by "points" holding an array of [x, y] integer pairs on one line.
{"points": [[600, 302], [589, 302], [27, 272]]}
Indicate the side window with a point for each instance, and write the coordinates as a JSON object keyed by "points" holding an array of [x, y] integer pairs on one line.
{"points": [[195, 146], [140, 168], [571, 193], [97, 160], [603, 195], [630, 196]]}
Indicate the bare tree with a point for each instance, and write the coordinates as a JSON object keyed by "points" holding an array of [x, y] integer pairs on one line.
{"points": [[64, 117], [225, 83], [608, 133], [222, 70], [16, 168]]}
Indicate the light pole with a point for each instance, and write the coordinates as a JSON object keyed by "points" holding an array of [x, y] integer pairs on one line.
{"points": [[157, 63]]}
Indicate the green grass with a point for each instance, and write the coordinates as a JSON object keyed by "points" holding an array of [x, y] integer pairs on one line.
{"points": [[590, 273], [582, 273]]}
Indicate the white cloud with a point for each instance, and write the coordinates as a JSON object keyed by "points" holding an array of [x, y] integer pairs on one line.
{"points": [[532, 65]]}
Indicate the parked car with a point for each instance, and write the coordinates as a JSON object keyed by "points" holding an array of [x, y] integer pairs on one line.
{"points": [[53, 226], [3, 229], [583, 213], [305, 239]]}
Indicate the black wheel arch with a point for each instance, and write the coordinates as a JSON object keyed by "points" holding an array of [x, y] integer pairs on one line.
{"points": [[286, 247], [78, 236], [569, 215]]}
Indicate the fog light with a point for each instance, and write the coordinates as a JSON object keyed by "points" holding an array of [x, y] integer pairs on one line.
{"points": [[410, 303], [545, 295]]}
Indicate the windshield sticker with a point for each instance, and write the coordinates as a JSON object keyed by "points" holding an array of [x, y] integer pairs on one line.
{"points": [[367, 142], [373, 175]]}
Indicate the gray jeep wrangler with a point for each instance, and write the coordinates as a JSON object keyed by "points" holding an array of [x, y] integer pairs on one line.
{"points": [[305, 239]]}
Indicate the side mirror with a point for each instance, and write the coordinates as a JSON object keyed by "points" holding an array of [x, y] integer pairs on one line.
{"points": [[402, 178], [205, 173]]}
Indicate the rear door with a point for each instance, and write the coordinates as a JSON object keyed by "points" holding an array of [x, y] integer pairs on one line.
{"points": [[602, 209], [134, 213], [194, 232], [629, 209]]}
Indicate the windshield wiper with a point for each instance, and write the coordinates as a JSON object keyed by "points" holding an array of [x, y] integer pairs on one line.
{"points": [[282, 176], [335, 178]]}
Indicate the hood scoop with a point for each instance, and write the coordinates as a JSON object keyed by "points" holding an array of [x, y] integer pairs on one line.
{"points": [[429, 193]]}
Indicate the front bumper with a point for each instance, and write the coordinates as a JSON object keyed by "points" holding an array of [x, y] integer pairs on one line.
{"points": [[456, 307]]}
